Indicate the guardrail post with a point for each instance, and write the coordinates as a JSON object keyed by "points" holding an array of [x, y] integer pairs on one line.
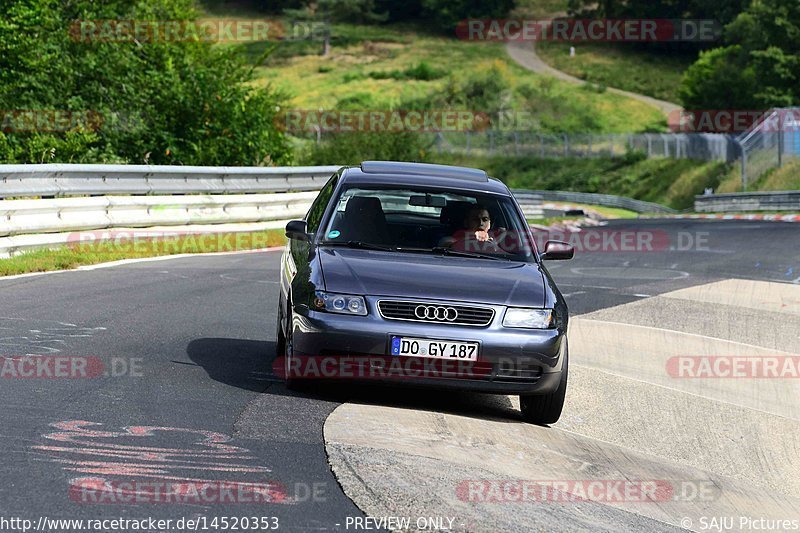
{"points": [[566, 145], [780, 139], [649, 147], [744, 166]]}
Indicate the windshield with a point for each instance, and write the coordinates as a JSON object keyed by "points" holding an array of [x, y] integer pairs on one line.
{"points": [[429, 221]]}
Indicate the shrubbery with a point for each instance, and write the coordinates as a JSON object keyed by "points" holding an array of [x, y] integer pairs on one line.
{"points": [[446, 14], [760, 67], [352, 148], [422, 71], [158, 102]]}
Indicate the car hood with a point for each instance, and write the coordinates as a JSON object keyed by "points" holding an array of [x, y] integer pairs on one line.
{"points": [[431, 276]]}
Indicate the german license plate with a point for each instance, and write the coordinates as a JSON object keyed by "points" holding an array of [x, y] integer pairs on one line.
{"points": [[436, 349]]}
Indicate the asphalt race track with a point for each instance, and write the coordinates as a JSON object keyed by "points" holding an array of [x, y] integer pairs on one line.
{"points": [[179, 389]]}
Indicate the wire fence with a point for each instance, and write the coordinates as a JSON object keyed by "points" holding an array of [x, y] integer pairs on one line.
{"points": [[701, 146], [773, 140]]}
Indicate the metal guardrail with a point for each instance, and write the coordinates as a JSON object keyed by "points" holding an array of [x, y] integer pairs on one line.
{"points": [[76, 198], [76, 214], [607, 200], [56, 180], [754, 201], [60, 201]]}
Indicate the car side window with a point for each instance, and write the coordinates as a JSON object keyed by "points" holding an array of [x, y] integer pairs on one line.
{"points": [[314, 215]]}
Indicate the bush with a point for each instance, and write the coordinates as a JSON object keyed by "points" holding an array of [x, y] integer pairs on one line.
{"points": [[720, 79], [353, 76], [352, 148], [424, 71], [446, 14], [160, 102], [487, 90], [760, 66], [421, 71]]}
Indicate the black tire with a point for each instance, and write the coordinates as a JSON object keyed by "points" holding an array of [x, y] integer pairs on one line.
{"points": [[280, 339], [285, 345], [546, 408]]}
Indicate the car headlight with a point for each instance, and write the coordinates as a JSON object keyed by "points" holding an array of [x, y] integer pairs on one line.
{"points": [[528, 318], [346, 304]]}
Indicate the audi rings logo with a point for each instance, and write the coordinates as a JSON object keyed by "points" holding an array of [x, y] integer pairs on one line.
{"points": [[433, 312]]}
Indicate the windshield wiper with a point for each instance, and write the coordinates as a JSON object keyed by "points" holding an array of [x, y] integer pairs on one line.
{"points": [[359, 244], [457, 253]]}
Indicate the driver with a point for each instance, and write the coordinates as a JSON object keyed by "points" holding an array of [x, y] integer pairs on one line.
{"points": [[477, 235], [478, 222]]}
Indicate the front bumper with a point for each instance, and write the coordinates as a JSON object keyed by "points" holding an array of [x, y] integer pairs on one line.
{"points": [[511, 361]]}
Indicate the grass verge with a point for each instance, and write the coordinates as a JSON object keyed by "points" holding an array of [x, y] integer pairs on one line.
{"points": [[626, 67], [786, 178], [73, 256]]}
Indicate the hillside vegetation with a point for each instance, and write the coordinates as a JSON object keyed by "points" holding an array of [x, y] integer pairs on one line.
{"points": [[395, 67], [670, 182], [624, 67]]}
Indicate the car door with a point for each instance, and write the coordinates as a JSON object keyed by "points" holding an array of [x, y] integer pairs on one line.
{"points": [[297, 277]]}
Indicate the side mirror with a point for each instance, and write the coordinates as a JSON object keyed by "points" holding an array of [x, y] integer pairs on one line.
{"points": [[296, 229], [557, 251]]}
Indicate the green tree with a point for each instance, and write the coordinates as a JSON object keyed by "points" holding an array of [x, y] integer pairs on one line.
{"points": [[446, 14], [721, 11], [158, 102], [759, 67]]}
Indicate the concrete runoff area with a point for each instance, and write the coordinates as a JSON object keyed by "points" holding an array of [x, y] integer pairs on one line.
{"points": [[726, 445], [761, 295]]}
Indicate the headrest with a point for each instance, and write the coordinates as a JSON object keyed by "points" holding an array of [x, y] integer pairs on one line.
{"points": [[454, 212], [364, 203]]}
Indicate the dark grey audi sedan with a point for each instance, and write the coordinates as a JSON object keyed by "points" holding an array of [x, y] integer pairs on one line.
{"points": [[423, 275]]}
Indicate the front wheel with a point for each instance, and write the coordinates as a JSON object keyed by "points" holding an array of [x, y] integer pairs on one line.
{"points": [[546, 408], [280, 339], [286, 350]]}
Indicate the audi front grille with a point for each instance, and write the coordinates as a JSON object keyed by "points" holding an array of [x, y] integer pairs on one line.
{"points": [[463, 315]]}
